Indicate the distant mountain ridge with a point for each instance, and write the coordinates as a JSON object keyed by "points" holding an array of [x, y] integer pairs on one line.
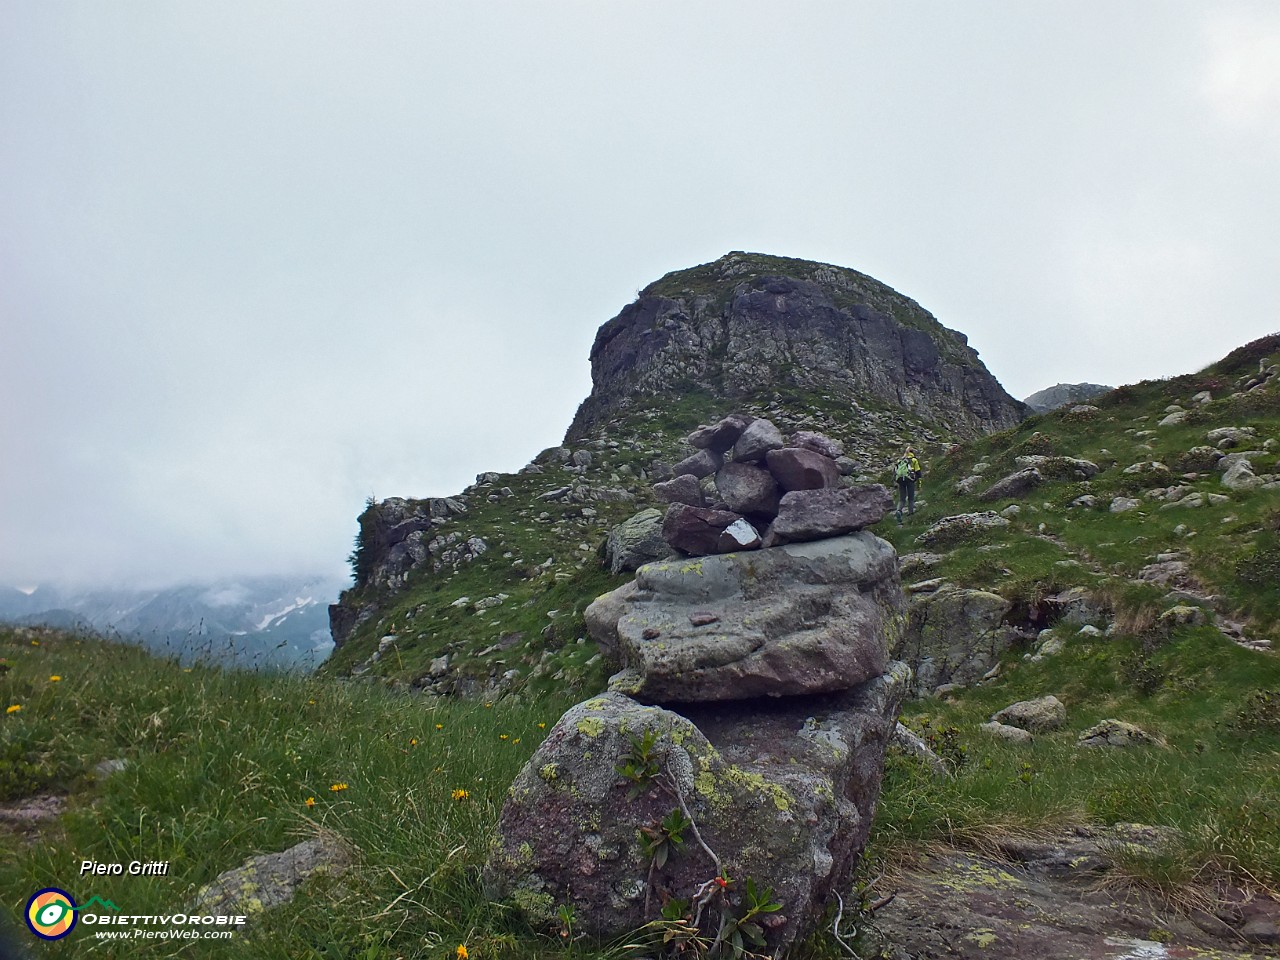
{"points": [[252, 621]]}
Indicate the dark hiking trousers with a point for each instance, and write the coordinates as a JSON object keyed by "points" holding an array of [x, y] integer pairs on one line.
{"points": [[906, 497]]}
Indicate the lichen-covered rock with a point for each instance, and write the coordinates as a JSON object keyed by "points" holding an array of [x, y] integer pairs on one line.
{"points": [[803, 618], [1225, 437], [953, 636], [1240, 476], [1059, 468], [1005, 731], [272, 879], [961, 528], [783, 793], [1118, 733], [1043, 713], [636, 541], [1017, 484]]}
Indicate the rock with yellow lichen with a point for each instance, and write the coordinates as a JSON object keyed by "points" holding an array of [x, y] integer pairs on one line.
{"points": [[782, 791], [271, 879]]}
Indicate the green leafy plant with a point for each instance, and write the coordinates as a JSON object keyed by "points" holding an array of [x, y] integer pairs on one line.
{"points": [[658, 843], [739, 932], [566, 916], [640, 765]]}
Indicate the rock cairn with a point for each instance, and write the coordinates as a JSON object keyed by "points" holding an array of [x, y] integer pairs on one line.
{"points": [[745, 487], [740, 747]]}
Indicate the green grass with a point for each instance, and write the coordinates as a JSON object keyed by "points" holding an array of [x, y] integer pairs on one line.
{"points": [[1216, 782], [220, 767]]}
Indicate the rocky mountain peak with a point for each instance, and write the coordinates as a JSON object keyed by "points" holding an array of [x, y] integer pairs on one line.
{"points": [[1064, 394], [749, 325]]}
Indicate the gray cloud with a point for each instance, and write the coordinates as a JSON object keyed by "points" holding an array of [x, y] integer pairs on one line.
{"points": [[258, 262]]}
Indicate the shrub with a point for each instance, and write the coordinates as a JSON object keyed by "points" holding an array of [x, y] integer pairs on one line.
{"points": [[1260, 713]]}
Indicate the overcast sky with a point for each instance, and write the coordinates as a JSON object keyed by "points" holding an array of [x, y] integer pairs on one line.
{"points": [[261, 260]]}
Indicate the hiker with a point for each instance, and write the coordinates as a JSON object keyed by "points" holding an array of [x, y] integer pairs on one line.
{"points": [[906, 472]]}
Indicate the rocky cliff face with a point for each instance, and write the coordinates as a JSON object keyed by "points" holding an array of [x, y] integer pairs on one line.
{"points": [[748, 322]]}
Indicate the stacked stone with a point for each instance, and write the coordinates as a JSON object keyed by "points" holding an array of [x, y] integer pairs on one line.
{"points": [[767, 491], [755, 694]]}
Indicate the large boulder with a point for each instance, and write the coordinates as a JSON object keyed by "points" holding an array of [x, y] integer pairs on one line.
{"points": [[953, 636], [1017, 484], [780, 793], [636, 541], [1240, 476], [1118, 733], [805, 618], [1060, 468], [961, 528], [815, 514], [1043, 713], [798, 469]]}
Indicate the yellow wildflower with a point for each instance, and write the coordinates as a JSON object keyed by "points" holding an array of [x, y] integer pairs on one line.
{"points": [[55, 678], [503, 736], [13, 709], [542, 726], [35, 643], [338, 786], [461, 952], [439, 726], [461, 794], [516, 740], [310, 801], [413, 741]]}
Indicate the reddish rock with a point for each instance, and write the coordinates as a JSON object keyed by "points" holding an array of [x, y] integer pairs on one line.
{"points": [[818, 443], [798, 469], [683, 489], [696, 530], [816, 514]]}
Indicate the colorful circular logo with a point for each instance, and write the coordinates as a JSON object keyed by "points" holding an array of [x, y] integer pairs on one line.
{"points": [[51, 913]]}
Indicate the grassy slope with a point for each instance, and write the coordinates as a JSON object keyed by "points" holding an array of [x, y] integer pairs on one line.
{"points": [[1217, 704]]}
